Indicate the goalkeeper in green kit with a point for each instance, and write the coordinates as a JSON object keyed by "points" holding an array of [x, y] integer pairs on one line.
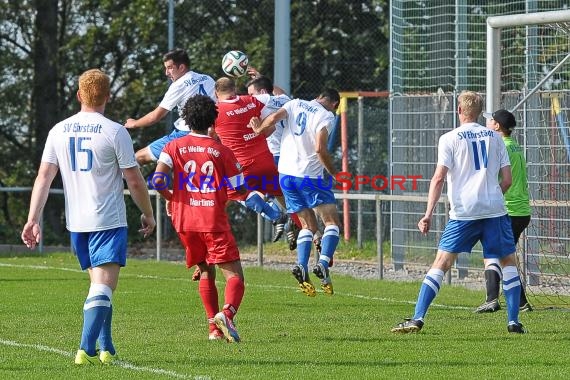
{"points": [[517, 204]]}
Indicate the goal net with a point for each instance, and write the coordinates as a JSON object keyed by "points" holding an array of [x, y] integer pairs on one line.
{"points": [[438, 50], [528, 72]]}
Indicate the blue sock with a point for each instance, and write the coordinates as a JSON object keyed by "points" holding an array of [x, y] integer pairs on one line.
{"points": [[255, 202], [512, 292], [428, 291], [304, 245], [105, 340], [95, 310], [329, 243]]}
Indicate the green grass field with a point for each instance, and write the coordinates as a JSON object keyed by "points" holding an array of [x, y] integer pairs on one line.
{"points": [[160, 330]]}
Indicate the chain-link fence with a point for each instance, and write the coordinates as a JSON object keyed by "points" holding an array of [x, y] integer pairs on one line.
{"points": [[440, 50], [333, 43], [435, 51]]}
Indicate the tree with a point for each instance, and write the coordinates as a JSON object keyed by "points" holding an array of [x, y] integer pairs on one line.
{"points": [[343, 44], [46, 44]]}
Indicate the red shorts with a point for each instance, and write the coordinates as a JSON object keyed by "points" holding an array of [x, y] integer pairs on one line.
{"points": [[211, 247], [260, 175]]}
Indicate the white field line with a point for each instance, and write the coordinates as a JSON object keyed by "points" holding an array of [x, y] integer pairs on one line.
{"points": [[119, 363], [263, 286], [164, 372]]}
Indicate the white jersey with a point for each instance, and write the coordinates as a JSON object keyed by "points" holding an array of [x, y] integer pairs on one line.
{"points": [[474, 156], [304, 121], [90, 151], [182, 89], [272, 104]]}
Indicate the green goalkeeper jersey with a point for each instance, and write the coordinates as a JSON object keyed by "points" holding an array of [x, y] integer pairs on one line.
{"points": [[516, 198]]}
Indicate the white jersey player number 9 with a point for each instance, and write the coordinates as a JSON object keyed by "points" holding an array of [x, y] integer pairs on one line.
{"points": [[301, 123]]}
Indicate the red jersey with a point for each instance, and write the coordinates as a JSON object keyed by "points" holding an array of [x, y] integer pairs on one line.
{"points": [[231, 127], [203, 170]]}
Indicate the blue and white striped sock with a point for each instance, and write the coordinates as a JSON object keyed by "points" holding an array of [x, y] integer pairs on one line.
{"points": [[329, 243], [95, 310], [429, 289], [268, 210], [105, 339], [512, 292], [304, 245]]}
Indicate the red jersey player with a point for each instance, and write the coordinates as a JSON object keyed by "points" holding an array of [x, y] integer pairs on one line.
{"points": [[259, 170], [203, 172]]}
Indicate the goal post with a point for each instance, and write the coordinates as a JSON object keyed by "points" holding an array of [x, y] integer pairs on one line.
{"points": [[494, 26], [515, 54], [528, 72]]}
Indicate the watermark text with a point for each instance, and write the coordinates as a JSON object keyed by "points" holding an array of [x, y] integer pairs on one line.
{"points": [[342, 181]]}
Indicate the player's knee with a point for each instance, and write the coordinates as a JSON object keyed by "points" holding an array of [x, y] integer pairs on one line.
{"points": [[509, 260], [492, 263], [444, 260], [331, 219], [143, 156]]}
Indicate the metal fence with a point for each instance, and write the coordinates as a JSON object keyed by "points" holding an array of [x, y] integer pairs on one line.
{"points": [[377, 202], [438, 50], [414, 150]]}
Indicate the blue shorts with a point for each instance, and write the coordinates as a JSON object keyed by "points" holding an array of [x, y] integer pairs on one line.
{"points": [[495, 234], [303, 193], [100, 247], [156, 146]]}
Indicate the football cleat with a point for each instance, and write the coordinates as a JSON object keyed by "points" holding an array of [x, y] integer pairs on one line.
{"points": [[304, 282], [82, 358], [408, 326], [489, 307], [516, 328], [106, 358], [322, 273], [525, 307], [279, 227], [217, 334], [327, 286], [226, 325], [292, 234]]}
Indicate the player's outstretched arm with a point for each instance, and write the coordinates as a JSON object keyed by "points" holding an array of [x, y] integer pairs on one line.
{"points": [[150, 118], [267, 125], [278, 90], [252, 72], [31, 233]]}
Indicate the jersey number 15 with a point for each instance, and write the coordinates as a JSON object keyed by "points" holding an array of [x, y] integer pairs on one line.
{"points": [[77, 148]]}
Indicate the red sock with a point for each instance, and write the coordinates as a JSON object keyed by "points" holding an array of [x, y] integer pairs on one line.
{"points": [[209, 295], [296, 220], [235, 288]]}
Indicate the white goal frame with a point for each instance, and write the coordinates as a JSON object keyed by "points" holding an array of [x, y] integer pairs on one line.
{"points": [[559, 20], [494, 26]]}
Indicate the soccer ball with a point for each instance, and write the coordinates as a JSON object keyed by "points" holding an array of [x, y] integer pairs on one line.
{"points": [[235, 63]]}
